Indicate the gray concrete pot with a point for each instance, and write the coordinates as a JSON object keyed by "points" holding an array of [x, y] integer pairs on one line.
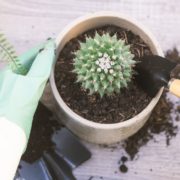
{"points": [[84, 128]]}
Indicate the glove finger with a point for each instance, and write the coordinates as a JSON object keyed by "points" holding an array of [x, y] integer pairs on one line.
{"points": [[27, 58], [42, 65]]}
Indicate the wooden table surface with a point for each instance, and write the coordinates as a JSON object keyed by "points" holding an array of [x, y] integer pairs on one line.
{"points": [[28, 22]]}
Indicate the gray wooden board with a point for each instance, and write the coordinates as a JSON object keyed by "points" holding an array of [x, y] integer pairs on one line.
{"points": [[29, 22]]}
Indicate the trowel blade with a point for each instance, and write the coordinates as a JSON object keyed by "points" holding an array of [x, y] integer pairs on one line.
{"points": [[36, 170], [153, 72], [70, 148]]}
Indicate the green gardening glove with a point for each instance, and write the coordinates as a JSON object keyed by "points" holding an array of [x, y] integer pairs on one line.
{"points": [[20, 94]]}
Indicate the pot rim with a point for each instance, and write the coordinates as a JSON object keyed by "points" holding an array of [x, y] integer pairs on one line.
{"points": [[79, 118]]}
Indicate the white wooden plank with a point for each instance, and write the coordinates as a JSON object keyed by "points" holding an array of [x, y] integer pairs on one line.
{"points": [[28, 22]]}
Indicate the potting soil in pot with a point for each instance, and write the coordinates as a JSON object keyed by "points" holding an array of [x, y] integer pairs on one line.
{"points": [[109, 109]]}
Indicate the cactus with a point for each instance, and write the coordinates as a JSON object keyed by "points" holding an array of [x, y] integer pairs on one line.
{"points": [[103, 64]]}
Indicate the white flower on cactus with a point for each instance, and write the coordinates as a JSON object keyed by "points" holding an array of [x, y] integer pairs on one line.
{"points": [[111, 71], [104, 63]]}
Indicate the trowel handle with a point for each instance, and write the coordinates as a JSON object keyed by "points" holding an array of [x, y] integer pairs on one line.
{"points": [[174, 87]]}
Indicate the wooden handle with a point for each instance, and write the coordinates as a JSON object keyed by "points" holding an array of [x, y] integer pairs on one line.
{"points": [[174, 87]]}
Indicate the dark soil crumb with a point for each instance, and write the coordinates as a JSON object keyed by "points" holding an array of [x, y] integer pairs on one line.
{"points": [[159, 122], [176, 72], [123, 168], [174, 56], [109, 109], [112, 147], [124, 159], [40, 137], [91, 177]]}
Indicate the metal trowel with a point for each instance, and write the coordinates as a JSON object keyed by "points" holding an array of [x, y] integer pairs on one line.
{"points": [[153, 72]]}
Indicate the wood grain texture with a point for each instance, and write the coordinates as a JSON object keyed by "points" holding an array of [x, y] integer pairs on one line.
{"points": [[28, 22], [175, 87]]}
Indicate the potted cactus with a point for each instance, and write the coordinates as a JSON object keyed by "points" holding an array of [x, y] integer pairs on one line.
{"points": [[92, 81]]}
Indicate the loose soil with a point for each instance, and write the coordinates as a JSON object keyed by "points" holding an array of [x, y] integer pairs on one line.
{"points": [[173, 55], [160, 122], [123, 168], [43, 127], [109, 109]]}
